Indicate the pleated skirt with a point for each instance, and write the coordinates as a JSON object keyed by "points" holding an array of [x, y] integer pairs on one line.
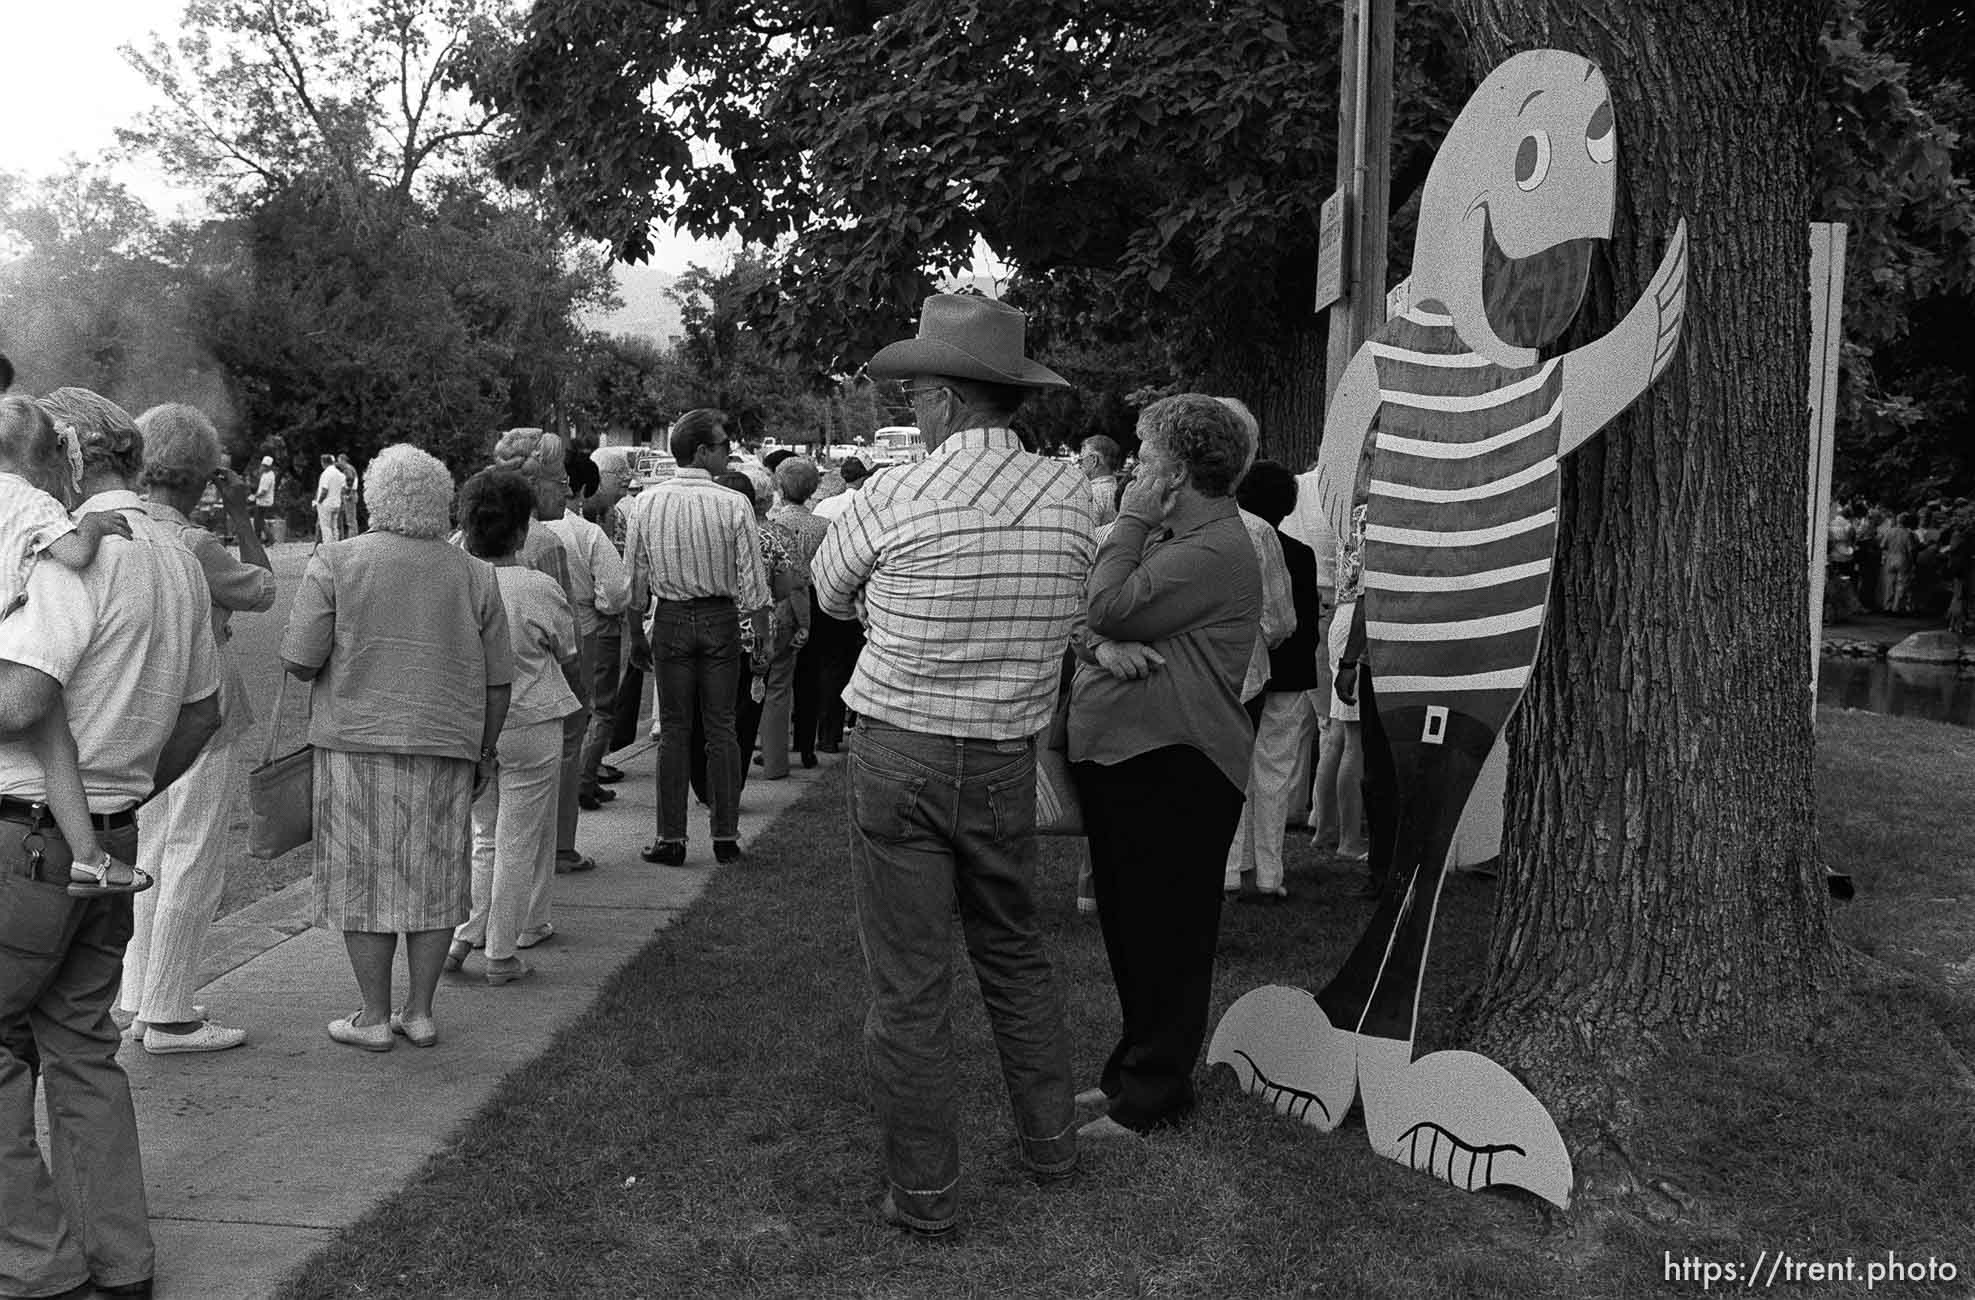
{"points": [[393, 841]]}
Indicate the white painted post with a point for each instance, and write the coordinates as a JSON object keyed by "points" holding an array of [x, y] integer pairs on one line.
{"points": [[1827, 308]]}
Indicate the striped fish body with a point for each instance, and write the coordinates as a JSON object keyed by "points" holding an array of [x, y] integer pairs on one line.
{"points": [[1460, 535], [1461, 530]]}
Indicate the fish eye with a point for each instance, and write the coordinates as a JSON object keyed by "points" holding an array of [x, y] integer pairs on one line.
{"points": [[1601, 138], [1533, 159]]}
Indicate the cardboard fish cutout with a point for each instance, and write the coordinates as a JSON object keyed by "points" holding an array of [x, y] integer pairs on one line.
{"points": [[1443, 438]]}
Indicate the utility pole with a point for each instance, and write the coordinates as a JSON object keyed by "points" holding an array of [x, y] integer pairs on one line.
{"points": [[1364, 178]]}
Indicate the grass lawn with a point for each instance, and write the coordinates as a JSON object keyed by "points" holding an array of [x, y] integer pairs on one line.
{"points": [[703, 1130]]}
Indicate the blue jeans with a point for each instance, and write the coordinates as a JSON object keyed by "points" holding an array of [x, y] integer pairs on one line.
{"points": [[82, 1213], [940, 824], [696, 656]]}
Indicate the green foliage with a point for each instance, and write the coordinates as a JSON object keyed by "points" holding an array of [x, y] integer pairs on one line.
{"points": [[260, 96], [352, 322], [729, 364], [95, 297], [1893, 161], [368, 284], [1180, 150], [626, 387]]}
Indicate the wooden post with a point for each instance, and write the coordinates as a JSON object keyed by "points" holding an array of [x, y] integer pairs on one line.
{"points": [[1341, 344], [1364, 175]]}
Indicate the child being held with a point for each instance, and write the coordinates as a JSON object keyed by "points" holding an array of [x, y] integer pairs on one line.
{"points": [[33, 524]]}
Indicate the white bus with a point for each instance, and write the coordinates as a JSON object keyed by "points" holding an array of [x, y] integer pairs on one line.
{"points": [[898, 444]]}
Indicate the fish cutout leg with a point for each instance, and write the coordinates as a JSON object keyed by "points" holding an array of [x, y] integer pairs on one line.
{"points": [[1376, 990]]}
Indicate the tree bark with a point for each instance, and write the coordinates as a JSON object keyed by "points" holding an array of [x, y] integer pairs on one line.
{"points": [[1283, 381], [1660, 873]]}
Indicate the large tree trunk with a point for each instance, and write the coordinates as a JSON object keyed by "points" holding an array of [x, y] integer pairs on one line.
{"points": [[1660, 874], [1282, 380]]}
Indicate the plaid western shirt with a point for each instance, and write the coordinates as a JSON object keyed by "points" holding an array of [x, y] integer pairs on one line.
{"points": [[969, 567]]}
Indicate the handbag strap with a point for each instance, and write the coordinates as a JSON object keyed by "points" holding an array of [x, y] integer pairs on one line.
{"points": [[274, 723]]}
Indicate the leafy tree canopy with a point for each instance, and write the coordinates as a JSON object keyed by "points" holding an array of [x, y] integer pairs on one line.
{"points": [[1152, 167], [263, 93], [369, 282], [1893, 156], [1183, 147]]}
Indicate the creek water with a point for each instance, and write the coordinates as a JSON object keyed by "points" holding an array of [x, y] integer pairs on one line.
{"points": [[1935, 692]]}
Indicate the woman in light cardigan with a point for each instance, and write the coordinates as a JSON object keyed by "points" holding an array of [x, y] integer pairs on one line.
{"points": [[1160, 744], [514, 821], [404, 641]]}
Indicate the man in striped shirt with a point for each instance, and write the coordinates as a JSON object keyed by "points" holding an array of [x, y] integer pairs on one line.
{"points": [[968, 570], [695, 554]]}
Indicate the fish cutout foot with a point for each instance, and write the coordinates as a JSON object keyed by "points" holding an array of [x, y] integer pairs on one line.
{"points": [[1283, 1049], [1463, 1119]]}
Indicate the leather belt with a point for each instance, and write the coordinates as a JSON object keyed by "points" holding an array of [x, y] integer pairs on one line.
{"points": [[31, 811]]}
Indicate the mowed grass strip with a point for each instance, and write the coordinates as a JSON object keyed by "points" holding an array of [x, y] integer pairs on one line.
{"points": [[703, 1131]]}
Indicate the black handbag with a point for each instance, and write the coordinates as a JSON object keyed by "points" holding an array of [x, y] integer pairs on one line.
{"points": [[281, 793]]}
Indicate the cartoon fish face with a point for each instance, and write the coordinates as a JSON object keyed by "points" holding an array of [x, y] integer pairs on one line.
{"points": [[1522, 186]]}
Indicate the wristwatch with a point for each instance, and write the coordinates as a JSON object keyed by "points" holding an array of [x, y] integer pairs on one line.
{"points": [[488, 753]]}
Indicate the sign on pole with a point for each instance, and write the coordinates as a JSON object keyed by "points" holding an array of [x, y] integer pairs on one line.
{"points": [[1332, 242]]}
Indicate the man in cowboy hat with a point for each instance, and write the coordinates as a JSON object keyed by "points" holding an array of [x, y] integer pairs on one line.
{"points": [[968, 570]]}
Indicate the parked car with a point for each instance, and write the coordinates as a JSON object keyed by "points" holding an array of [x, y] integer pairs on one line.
{"points": [[651, 465]]}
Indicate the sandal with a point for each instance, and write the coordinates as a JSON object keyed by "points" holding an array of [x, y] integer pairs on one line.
{"points": [[105, 877]]}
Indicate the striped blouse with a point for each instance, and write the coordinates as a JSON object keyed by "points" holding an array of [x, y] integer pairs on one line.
{"points": [[1462, 521]]}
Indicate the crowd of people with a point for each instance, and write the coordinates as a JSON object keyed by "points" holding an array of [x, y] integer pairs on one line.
{"points": [[930, 619], [1918, 561]]}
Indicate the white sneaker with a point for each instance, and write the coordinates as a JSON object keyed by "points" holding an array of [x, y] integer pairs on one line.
{"points": [[210, 1036]]}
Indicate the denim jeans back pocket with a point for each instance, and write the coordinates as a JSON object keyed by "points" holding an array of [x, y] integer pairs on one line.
{"points": [[1011, 795], [882, 803]]}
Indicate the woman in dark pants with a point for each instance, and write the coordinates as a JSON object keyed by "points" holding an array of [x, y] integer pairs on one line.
{"points": [[1160, 744]]}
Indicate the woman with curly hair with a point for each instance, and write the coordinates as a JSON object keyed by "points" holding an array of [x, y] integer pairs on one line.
{"points": [[1160, 744], [514, 824], [405, 641]]}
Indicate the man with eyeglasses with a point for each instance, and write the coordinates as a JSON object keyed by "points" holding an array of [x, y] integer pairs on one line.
{"points": [[968, 571], [695, 554]]}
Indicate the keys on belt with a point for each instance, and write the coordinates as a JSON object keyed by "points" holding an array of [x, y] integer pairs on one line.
{"points": [[34, 843]]}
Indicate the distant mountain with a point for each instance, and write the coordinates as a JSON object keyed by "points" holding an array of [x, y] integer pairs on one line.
{"points": [[647, 311]]}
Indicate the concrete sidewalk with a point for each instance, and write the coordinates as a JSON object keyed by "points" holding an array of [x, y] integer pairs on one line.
{"points": [[254, 1158]]}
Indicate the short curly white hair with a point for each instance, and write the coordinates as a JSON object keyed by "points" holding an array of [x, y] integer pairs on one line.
{"points": [[409, 492]]}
